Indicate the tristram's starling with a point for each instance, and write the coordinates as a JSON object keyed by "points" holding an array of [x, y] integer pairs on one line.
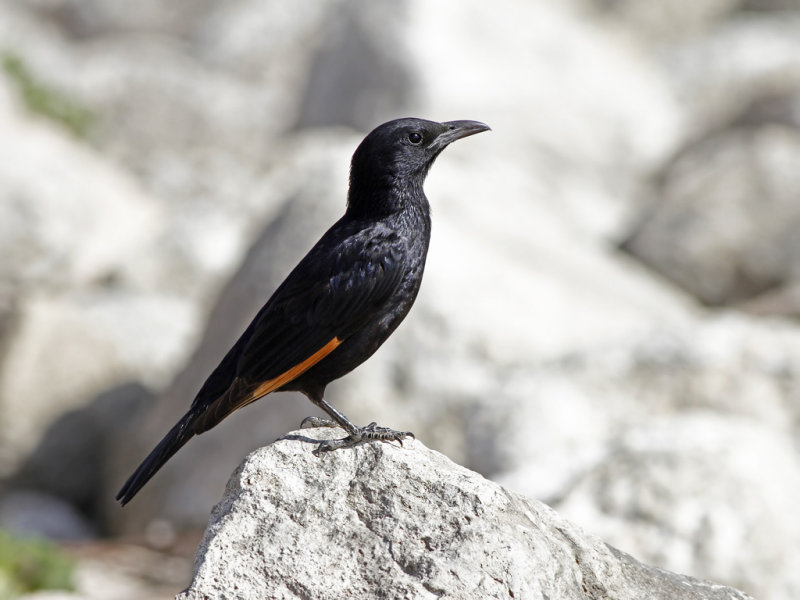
{"points": [[341, 302]]}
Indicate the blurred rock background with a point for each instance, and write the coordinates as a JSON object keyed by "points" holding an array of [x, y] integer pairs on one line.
{"points": [[609, 317]]}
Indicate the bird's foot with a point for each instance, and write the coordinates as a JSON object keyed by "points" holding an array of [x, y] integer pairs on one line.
{"points": [[374, 432], [363, 434]]}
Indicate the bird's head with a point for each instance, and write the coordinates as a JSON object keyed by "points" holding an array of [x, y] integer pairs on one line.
{"points": [[396, 156]]}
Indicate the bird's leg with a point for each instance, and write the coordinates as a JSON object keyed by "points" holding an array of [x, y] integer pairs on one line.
{"points": [[357, 435]]}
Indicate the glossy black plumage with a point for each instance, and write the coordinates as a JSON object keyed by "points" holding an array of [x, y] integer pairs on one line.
{"points": [[343, 299]]}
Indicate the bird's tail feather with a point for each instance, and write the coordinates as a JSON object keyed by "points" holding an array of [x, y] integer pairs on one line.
{"points": [[167, 447]]}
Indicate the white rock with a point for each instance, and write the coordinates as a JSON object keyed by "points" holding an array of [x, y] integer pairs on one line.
{"points": [[391, 522], [702, 494]]}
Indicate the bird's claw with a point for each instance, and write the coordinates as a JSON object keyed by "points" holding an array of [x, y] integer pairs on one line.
{"points": [[318, 422], [371, 432], [374, 432]]}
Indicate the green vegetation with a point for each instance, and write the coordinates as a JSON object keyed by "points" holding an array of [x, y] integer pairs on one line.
{"points": [[46, 100], [28, 565]]}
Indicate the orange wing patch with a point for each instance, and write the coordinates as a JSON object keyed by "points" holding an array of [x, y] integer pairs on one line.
{"points": [[240, 394], [297, 370]]}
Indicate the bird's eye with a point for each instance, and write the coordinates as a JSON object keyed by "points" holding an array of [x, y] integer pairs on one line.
{"points": [[415, 137]]}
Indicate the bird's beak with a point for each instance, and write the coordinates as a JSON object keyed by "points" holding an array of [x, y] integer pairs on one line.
{"points": [[455, 130]]}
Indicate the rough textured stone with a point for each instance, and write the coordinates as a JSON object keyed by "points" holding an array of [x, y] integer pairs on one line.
{"points": [[675, 500], [382, 521]]}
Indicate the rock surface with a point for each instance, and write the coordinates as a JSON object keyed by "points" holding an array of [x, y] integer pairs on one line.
{"points": [[381, 521]]}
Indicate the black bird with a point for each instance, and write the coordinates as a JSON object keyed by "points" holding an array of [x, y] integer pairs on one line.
{"points": [[340, 303]]}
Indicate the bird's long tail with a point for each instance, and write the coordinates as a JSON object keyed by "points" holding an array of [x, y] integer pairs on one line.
{"points": [[167, 447]]}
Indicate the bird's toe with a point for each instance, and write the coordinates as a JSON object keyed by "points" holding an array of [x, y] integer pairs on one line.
{"points": [[384, 434], [317, 422]]}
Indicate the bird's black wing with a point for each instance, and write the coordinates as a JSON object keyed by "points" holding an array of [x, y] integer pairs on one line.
{"points": [[331, 294], [342, 282]]}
